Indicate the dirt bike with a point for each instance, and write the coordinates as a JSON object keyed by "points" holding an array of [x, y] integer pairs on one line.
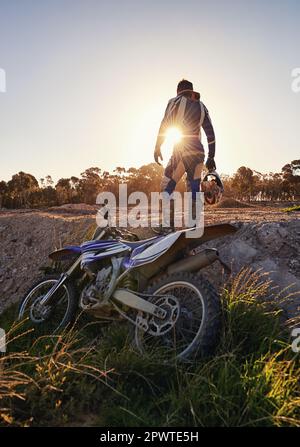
{"points": [[154, 284]]}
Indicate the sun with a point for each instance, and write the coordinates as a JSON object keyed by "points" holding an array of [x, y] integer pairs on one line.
{"points": [[173, 135]]}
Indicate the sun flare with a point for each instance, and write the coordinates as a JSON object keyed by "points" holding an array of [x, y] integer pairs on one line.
{"points": [[173, 135]]}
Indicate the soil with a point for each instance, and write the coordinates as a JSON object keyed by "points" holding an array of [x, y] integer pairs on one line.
{"points": [[232, 203]]}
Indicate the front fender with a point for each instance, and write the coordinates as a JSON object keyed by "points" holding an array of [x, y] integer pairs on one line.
{"points": [[65, 253]]}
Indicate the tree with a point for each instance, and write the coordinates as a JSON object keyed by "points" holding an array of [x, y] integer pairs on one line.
{"points": [[119, 170], [3, 191], [49, 181], [20, 187], [244, 182], [90, 185], [291, 179], [63, 189], [23, 189]]}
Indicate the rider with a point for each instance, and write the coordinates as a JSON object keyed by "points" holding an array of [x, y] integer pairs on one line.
{"points": [[189, 114]]}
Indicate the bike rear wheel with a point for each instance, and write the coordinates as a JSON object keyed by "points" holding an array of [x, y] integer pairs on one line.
{"points": [[193, 318]]}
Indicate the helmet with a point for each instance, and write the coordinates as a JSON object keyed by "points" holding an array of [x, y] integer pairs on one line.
{"points": [[212, 187]]}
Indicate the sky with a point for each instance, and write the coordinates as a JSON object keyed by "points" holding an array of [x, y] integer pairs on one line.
{"points": [[87, 81]]}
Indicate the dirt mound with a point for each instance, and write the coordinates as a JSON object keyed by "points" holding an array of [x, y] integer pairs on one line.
{"points": [[74, 208], [26, 239], [232, 203], [273, 248]]}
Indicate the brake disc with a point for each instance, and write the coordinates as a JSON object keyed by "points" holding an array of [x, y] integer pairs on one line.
{"points": [[38, 312]]}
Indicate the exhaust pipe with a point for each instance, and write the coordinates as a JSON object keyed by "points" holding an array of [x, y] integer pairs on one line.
{"points": [[195, 262]]}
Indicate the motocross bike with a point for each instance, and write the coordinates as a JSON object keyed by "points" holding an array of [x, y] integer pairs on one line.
{"points": [[154, 284]]}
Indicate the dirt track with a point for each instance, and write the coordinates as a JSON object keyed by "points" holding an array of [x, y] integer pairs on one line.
{"points": [[267, 237]]}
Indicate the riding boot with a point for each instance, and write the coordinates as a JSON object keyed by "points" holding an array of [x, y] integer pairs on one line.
{"points": [[168, 219]]}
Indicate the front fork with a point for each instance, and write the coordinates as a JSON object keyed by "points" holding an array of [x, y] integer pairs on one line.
{"points": [[48, 298]]}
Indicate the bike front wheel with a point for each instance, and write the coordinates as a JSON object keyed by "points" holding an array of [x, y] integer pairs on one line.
{"points": [[52, 318]]}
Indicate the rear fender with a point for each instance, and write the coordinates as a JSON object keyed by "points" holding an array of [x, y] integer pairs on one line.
{"points": [[210, 232]]}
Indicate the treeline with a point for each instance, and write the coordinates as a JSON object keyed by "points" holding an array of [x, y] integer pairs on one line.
{"points": [[25, 191]]}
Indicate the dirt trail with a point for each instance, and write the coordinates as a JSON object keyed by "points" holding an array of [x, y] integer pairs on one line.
{"points": [[267, 238]]}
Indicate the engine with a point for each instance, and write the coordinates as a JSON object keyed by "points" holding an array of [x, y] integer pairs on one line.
{"points": [[94, 294]]}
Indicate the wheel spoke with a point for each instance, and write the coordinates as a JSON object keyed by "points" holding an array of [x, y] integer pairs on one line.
{"points": [[179, 338], [45, 320]]}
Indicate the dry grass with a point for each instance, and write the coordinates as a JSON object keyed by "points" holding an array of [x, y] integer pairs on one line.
{"points": [[252, 379], [39, 376]]}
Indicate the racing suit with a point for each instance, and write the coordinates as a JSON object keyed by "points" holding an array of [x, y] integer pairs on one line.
{"points": [[189, 114]]}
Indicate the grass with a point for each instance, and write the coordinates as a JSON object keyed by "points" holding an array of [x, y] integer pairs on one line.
{"points": [[91, 375], [291, 208]]}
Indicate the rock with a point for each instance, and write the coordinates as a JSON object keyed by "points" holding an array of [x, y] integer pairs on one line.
{"points": [[290, 298], [272, 235], [242, 252], [294, 265]]}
